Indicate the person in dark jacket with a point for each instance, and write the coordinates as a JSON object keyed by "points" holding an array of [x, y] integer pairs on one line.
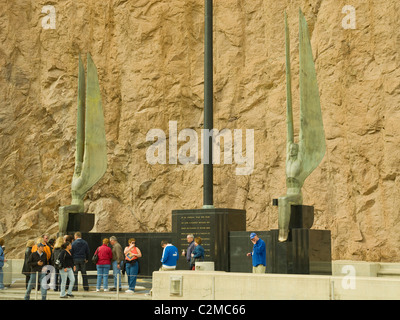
{"points": [[80, 253], [198, 253], [38, 264], [26, 270], [190, 249], [67, 270]]}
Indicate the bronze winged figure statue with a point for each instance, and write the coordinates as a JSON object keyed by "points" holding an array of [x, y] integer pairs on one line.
{"points": [[304, 157], [91, 149]]}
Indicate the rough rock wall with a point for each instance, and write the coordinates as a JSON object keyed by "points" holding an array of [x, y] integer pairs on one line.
{"points": [[149, 55]]}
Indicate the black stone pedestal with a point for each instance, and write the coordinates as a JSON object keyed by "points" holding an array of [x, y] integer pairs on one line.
{"points": [[240, 245], [307, 252], [82, 222], [213, 227]]}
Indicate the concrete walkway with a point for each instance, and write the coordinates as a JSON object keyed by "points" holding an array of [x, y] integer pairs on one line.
{"points": [[16, 291]]}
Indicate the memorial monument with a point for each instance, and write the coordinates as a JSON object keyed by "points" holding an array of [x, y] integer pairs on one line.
{"points": [[304, 157], [211, 224], [91, 150], [299, 248], [295, 248]]}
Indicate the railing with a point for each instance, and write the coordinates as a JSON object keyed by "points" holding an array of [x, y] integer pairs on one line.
{"points": [[49, 280]]}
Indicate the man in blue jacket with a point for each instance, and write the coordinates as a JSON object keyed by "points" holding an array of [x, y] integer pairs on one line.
{"points": [[169, 257], [259, 254]]}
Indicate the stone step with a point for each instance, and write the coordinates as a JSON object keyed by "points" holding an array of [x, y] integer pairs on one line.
{"points": [[13, 293]]}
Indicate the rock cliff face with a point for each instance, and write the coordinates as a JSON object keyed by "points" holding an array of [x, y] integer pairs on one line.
{"points": [[149, 55]]}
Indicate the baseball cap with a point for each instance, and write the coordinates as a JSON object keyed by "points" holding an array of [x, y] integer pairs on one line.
{"points": [[252, 235], [40, 245]]}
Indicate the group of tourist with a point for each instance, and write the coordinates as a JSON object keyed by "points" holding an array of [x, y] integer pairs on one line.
{"points": [[68, 255], [117, 259], [194, 252], [170, 255]]}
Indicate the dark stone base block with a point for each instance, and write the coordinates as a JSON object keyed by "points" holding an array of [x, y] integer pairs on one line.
{"points": [[307, 252], [213, 226], [82, 222], [301, 217], [240, 245]]}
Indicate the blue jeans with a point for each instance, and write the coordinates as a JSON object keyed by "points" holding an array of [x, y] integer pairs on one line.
{"points": [[64, 275], [1, 278], [117, 272], [132, 271], [32, 283], [102, 274]]}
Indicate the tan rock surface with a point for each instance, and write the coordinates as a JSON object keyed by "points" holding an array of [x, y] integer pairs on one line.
{"points": [[150, 60]]}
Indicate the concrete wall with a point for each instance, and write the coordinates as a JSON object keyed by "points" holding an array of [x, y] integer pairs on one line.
{"points": [[240, 286], [350, 281]]}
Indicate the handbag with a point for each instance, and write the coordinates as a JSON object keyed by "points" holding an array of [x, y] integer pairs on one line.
{"points": [[58, 264], [95, 257]]}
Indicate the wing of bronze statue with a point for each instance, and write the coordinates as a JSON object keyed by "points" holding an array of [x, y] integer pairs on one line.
{"points": [[289, 112], [94, 162], [311, 138], [80, 124]]}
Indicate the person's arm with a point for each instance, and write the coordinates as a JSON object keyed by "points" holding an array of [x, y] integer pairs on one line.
{"points": [[119, 255], [109, 253], [164, 256], [196, 253], [47, 251], [139, 253], [259, 247], [61, 257], [127, 249], [87, 251], [191, 248], [31, 262]]}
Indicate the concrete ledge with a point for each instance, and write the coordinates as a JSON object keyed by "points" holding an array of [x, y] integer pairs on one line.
{"points": [[365, 288], [359, 268], [240, 286], [366, 269], [350, 280], [246, 286]]}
